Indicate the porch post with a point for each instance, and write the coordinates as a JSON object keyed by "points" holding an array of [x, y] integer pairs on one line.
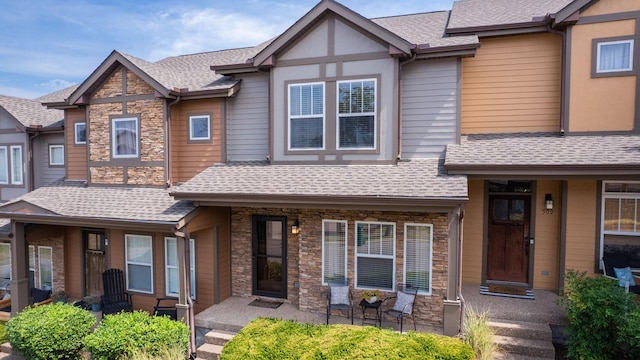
{"points": [[453, 303], [182, 306], [19, 269]]}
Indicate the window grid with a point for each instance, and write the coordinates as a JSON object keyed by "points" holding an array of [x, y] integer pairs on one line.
{"points": [[16, 165], [620, 213], [356, 125], [139, 262], [306, 116], [418, 256], [334, 250], [375, 255], [171, 266]]}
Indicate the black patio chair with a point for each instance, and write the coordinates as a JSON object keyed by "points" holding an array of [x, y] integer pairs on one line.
{"points": [[115, 298], [339, 297], [166, 310], [405, 297], [616, 266]]}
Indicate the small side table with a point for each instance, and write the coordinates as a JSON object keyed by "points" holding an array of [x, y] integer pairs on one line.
{"points": [[377, 307]]}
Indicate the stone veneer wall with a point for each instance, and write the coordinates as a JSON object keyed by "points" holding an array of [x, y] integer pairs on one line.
{"points": [[305, 255], [56, 242]]}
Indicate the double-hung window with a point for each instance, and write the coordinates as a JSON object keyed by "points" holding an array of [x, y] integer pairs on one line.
{"points": [[357, 114], [16, 164], [199, 127], [614, 56], [306, 116], [139, 259], [45, 267], [375, 255], [334, 250], [80, 133], [171, 266], [32, 267], [125, 139], [56, 155], [4, 165], [418, 256], [5, 265], [621, 219]]}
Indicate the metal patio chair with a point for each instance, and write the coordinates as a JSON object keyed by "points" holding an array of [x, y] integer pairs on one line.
{"points": [[166, 310], [402, 307], [339, 297], [115, 298]]}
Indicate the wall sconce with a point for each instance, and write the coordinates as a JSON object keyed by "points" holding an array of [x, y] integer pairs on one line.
{"points": [[295, 228], [548, 204]]}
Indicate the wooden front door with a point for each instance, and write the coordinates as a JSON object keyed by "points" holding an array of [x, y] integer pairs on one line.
{"points": [[269, 256], [95, 262], [508, 238]]}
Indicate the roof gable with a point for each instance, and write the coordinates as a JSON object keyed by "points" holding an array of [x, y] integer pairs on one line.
{"points": [[29, 113], [26, 207]]}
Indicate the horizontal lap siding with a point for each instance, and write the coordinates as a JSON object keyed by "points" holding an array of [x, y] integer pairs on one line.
{"points": [[547, 237], [581, 238], [76, 161], [472, 253], [513, 85], [429, 107], [48, 174], [248, 120]]}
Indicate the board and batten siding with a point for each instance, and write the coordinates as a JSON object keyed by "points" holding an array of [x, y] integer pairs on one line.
{"points": [[248, 120], [429, 107], [513, 85], [44, 173]]}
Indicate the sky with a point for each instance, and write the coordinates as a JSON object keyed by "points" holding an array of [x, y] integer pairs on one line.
{"points": [[47, 45]]}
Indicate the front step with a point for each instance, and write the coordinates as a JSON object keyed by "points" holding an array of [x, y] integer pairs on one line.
{"points": [[526, 347], [519, 329], [214, 341], [523, 339]]}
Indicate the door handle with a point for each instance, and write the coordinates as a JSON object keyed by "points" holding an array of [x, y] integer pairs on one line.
{"points": [[528, 241]]}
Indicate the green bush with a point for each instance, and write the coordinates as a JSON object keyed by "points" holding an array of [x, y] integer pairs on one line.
{"points": [[52, 331], [603, 320], [267, 338], [121, 335]]}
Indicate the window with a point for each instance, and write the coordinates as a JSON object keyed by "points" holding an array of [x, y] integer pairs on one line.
{"points": [[306, 116], [357, 114], [199, 127], [375, 255], [45, 267], [417, 256], [56, 155], [125, 138], [171, 266], [4, 166], [614, 56], [334, 250], [5, 265], [621, 219], [80, 133], [139, 263], [32, 267], [16, 165]]}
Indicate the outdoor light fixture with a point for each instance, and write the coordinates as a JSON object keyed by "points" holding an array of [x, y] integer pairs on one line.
{"points": [[548, 204], [295, 228]]}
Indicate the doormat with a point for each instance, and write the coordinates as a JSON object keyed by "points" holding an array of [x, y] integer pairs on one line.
{"points": [[507, 291], [265, 304]]}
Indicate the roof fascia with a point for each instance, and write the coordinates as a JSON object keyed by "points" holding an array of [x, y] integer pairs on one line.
{"points": [[97, 74], [423, 52], [207, 94], [54, 219], [21, 206], [501, 29], [60, 105], [316, 13], [545, 170], [234, 69], [571, 9]]}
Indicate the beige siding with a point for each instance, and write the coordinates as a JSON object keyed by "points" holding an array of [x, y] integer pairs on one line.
{"points": [[547, 237], [472, 253], [513, 85], [581, 226], [76, 154], [603, 7]]}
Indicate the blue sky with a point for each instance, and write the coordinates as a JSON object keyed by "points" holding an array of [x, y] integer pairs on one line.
{"points": [[47, 45]]}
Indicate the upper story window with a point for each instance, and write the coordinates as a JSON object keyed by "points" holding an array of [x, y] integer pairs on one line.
{"points": [[199, 127], [124, 135], [16, 165], [80, 133], [614, 56], [306, 116], [357, 114], [4, 165], [56, 155]]}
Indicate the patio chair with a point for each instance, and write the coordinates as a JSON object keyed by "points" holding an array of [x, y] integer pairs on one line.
{"points": [[165, 310], [339, 297], [616, 266], [402, 307], [115, 298]]}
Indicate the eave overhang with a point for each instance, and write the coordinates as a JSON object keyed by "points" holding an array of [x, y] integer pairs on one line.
{"points": [[223, 92], [554, 171], [502, 29]]}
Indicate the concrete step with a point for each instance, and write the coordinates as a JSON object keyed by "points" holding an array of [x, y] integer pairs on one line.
{"points": [[218, 337], [209, 352], [519, 329], [5, 356], [506, 356], [6, 348], [527, 347]]}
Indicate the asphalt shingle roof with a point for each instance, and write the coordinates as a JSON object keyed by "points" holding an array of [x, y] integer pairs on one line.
{"points": [[30, 112], [58, 96], [409, 179], [544, 149], [73, 199]]}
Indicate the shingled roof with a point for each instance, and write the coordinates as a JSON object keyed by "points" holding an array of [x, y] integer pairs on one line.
{"points": [[545, 153], [30, 112]]}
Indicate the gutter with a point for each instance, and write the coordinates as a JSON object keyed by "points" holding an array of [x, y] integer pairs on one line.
{"points": [[30, 157], [460, 243], [563, 73], [168, 144]]}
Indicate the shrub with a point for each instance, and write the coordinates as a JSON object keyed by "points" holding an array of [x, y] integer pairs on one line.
{"points": [[123, 334], [479, 335], [51, 331], [267, 338], [162, 354]]}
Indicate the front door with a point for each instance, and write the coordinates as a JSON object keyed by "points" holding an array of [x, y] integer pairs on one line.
{"points": [[95, 261], [269, 256], [508, 238]]}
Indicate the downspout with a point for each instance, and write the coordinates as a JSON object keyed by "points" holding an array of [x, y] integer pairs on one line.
{"points": [[402, 63], [460, 243], [184, 237], [563, 73], [168, 157], [30, 157], [267, 73]]}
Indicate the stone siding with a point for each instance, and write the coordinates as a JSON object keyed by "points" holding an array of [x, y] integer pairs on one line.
{"points": [[55, 240], [112, 87], [137, 86], [304, 255], [145, 175]]}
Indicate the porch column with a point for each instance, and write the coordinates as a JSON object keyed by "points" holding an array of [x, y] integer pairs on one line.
{"points": [[182, 306], [19, 269], [453, 303]]}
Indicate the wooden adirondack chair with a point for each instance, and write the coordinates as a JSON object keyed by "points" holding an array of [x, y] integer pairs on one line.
{"points": [[115, 298]]}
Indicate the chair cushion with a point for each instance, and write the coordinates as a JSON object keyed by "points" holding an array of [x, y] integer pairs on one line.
{"points": [[40, 295], [402, 300], [339, 295], [625, 277]]}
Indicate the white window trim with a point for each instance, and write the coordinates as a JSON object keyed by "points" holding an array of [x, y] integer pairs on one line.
{"points": [[374, 114], [127, 262], [51, 161], [605, 195], [191, 137], [392, 257], [6, 161], [114, 144], [40, 264], [604, 43], [10, 260], [293, 117], [32, 250], [75, 134], [15, 181], [346, 246], [192, 244], [404, 265]]}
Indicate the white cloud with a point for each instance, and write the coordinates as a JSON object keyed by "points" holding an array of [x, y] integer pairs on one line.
{"points": [[56, 84]]}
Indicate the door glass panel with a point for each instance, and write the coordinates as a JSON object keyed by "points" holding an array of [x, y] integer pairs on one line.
{"points": [[500, 209], [517, 210], [268, 260]]}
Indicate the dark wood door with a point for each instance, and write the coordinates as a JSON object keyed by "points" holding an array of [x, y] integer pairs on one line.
{"points": [[508, 233], [94, 261], [269, 256]]}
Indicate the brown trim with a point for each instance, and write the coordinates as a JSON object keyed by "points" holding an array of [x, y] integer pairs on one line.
{"points": [[423, 50], [500, 29], [599, 237], [594, 19], [122, 98], [485, 230], [594, 57], [55, 219], [336, 58], [565, 119], [571, 9], [11, 131], [562, 259], [124, 115], [331, 37], [636, 63], [199, 141]]}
